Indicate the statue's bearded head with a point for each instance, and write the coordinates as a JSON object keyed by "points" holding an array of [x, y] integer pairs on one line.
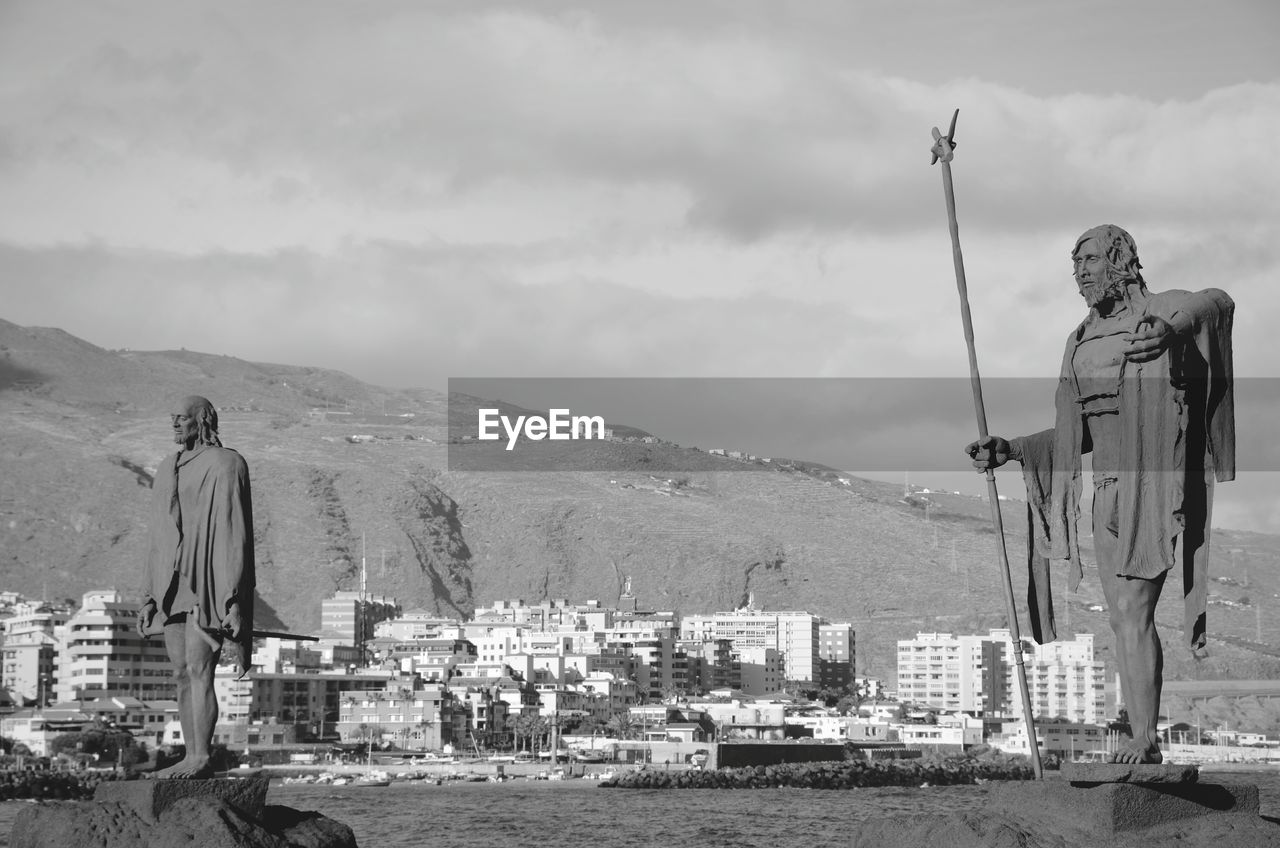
{"points": [[1104, 262], [195, 422]]}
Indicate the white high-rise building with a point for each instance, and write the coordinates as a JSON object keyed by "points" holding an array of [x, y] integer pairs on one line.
{"points": [[1065, 681], [946, 672], [102, 655], [792, 634], [30, 648], [976, 674]]}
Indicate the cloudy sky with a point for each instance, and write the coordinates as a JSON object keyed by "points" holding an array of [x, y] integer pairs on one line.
{"points": [[415, 191]]}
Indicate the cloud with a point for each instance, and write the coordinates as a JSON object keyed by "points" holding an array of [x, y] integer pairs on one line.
{"points": [[407, 192], [384, 126], [408, 316]]}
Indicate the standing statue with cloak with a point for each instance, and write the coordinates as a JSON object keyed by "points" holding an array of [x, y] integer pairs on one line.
{"points": [[199, 579], [1146, 387]]}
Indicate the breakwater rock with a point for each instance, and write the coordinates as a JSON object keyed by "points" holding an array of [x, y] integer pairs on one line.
{"points": [[50, 785], [829, 775]]}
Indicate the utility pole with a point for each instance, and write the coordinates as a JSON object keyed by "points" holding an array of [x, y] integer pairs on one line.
{"points": [[360, 605], [555, 737]]}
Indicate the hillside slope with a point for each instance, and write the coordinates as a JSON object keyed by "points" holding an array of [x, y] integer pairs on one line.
{"points": [[82, 429]]}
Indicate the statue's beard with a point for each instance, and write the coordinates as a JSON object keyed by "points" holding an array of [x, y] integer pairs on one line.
{"points": [[1098, 292]]}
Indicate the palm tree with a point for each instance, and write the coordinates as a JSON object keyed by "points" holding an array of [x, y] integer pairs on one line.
{"points": [[531, 726], [621, 726], [423, 726], [541, 728], [523, 726]]}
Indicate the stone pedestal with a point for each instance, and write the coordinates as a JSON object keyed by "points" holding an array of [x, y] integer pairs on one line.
{"points": [[167, 813], [1094, 774]]}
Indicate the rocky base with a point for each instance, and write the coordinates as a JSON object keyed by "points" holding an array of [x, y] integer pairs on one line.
{"points": [[1056, 813], [150, 798], [164, 814], [984, 829]]}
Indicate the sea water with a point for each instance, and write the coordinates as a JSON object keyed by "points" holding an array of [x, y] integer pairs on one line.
{"points": [[580, 813]]}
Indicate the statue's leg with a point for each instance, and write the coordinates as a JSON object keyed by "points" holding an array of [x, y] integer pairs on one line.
{"points": [[195, 662], [175, 644], [202, 664], [1132, 605], [1132, 602]]}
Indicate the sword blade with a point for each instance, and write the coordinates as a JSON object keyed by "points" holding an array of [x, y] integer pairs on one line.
{"points": [[272, 634]]}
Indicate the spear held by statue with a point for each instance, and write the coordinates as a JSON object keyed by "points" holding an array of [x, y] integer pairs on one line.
{"points": [[944, 151]]}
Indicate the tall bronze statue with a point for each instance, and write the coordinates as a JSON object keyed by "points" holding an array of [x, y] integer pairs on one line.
{"points": [[199, 578], [1146, 387]]}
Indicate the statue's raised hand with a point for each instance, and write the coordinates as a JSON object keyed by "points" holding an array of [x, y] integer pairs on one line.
{"points": [[1152, 337]]}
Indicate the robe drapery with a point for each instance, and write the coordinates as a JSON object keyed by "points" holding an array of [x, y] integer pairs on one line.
{"points": [[1177, 436], [200, 559]]}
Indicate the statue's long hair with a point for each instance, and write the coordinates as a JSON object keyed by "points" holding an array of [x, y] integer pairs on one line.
{"points": [[206, 421], [1120, 249]]}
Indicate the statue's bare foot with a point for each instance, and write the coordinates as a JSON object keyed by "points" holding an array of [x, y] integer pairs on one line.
{"points": [[191, 768], [1135, 753]]}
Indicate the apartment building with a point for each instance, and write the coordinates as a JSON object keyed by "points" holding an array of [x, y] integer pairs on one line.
{"points": [[794, 634], [308, 701], [425, 717], [27, 659], [103, 656], [976, 674], [762, 671], [837, 655], [353, 617]]}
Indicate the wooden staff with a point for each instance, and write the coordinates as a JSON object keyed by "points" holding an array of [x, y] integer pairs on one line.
{"points": [[944, 150]]}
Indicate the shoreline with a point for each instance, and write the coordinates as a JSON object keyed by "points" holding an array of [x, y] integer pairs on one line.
{"points": [[447, 771], [1239, 768]]}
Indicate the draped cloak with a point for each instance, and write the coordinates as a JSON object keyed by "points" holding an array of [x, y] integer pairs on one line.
{"points": [[200, 559], [1177, 436]]}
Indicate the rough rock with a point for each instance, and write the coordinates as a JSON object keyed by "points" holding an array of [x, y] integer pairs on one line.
{"points": [[1058, 814], [206, 822], [307, 828], [152, 797], [961, 830], [1097, 773], [982, 829], [1113, 807]]}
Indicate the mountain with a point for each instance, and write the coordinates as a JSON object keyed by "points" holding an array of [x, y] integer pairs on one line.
{"points": [[82, 429]]}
